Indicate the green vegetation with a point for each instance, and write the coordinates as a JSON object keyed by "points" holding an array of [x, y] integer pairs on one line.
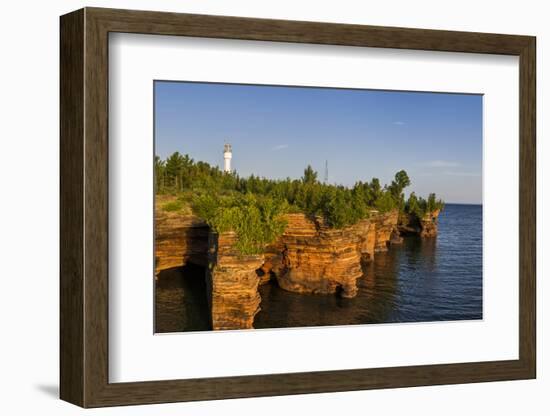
{"points": [[257, 220], [253, 207], [173, 206], [419, 206]]}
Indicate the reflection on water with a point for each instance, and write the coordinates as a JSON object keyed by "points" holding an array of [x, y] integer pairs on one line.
{"points": [[180, 300], [418, 281]]}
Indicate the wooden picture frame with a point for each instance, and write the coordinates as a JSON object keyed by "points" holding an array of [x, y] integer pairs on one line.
{"points": [[84, 207]]}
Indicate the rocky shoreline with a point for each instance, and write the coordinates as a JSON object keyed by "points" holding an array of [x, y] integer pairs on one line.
{"points": [[309, 257]]}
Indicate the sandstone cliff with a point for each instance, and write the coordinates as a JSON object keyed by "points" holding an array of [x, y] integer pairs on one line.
{"points": [[385, 226], [428, 224], [311, 257], [179, 238], [317, 259], [232, 283], [425, 227]]}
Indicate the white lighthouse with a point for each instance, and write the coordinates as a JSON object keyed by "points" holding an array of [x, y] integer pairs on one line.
{"points": [[227, 155]]}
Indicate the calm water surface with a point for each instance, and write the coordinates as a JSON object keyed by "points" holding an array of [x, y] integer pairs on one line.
{"points": [[421, 280]]}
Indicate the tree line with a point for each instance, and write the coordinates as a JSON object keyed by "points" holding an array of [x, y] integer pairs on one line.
{"points": [[253, 206]]}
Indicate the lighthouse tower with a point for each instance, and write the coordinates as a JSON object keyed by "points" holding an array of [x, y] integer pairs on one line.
{"points": [[227, 154]]}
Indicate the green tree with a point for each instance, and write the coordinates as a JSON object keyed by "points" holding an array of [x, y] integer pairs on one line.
{"points": [[385, 202], [413, 206], [402, 179], [400, 182], [174, 169], [310, 176], [159, 175], [434, 204], [373, 190], [419, 206]]}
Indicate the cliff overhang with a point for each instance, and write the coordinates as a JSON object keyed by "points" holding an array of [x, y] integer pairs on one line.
{"points": [[309, 257]]}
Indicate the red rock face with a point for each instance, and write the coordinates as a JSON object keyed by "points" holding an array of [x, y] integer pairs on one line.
{"points": [[310, 257], [179, 239], [386, 224], [425, 227], [317, 259], [428, 224], [232, 284], [367, 244]]}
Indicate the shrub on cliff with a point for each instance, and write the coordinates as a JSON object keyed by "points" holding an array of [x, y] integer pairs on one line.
{"points": [[257, 220], [434, 204], [173, 206]]}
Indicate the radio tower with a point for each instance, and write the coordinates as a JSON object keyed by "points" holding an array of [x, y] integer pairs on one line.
{"points": [[326, 171]]}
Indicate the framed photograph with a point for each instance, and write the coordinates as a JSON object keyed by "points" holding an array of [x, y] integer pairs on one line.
{"points": [[254, 207]]}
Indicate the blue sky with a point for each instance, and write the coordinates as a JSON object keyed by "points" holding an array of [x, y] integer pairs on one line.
{"points": [[277, 131]]}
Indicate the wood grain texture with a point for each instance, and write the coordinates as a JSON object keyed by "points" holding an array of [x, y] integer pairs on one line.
{"points": [[162, 23], [84, 207], [96, 208], [71, 213], [527, 208]]}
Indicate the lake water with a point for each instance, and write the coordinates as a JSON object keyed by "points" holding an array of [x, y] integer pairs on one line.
{"points": [[436, 279]]}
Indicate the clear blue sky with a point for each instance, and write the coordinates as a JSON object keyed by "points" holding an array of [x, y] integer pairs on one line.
{"points": [[277, 131]]}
